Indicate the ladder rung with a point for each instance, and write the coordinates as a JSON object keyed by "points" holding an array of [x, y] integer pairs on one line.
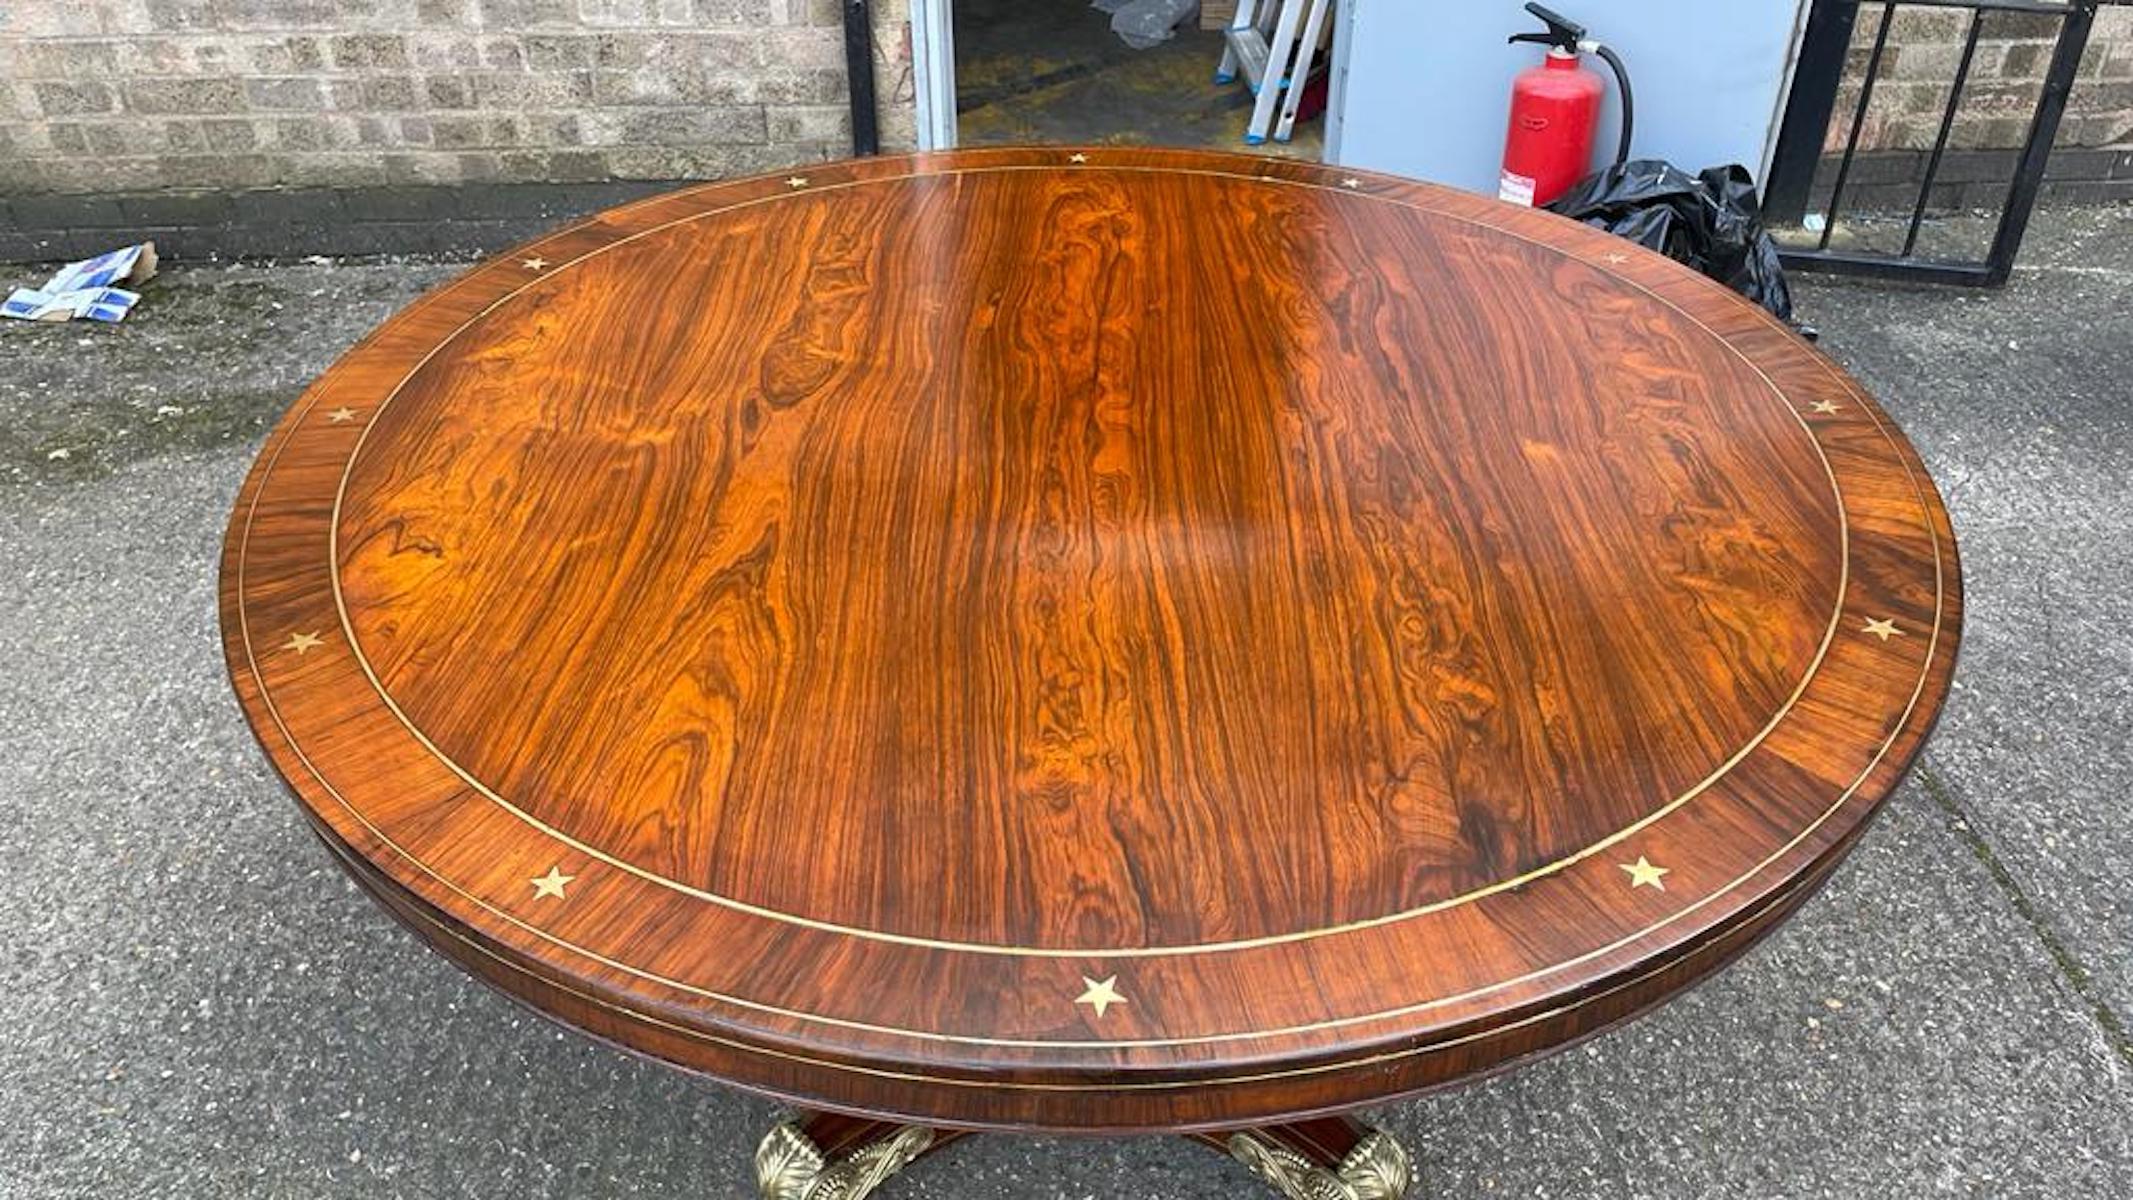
{"points": [[1250, 48]]}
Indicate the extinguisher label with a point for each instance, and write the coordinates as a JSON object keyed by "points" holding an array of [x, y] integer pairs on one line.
{"points": [[1516, 188]]}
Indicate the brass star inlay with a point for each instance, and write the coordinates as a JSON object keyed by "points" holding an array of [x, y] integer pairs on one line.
{"points": [[551, 884], [338, 415], [1825, 407], [301, 642], [796, 181], [1883, 629], [1077, 157], [534, 264], [1101, 994], [1643, 874]]}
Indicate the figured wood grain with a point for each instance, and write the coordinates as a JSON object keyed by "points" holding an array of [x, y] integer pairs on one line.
{"points": [[1092, 640]]}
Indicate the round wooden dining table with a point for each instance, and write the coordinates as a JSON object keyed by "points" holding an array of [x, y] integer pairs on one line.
{"points": [[1087, 640]]}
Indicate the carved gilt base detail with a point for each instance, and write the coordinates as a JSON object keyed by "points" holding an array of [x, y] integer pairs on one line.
{"points": [[790, 1166], [1376, 1169]]}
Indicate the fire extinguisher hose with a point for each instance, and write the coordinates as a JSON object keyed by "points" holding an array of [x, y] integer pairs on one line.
{"points": [[1629, 110]]}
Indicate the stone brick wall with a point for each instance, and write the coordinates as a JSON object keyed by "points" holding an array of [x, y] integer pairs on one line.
{"points": [[124, 96], [2006, 75], [2092, 156]]}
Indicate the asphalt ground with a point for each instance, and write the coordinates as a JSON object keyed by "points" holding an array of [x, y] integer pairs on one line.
{"points": [[194, 1002]]}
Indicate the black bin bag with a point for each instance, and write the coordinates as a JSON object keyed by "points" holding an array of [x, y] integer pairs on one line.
{"points": [[1711, 222]]}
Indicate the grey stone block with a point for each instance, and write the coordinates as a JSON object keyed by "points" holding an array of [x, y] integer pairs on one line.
{"points": [[281, 14], [808, 123], [229, 135], [727, 51], [362, 51], [303, 134], [1965, 166], [800, 87], [176, 208], [688, 84], [696, 127], [2025, 60], [516, 200], [502, 53], [682, 163], [1885, 166], [447, 13], [731, 14], [555, 166], [477, 166], [115, 139], [286, 207], [527, 14], [185, 95], [557, 129], [449, 91], [184, 137], [2085, 191], [185, 16], [2081, 162], [405, 203], [395, 93], [220, 171], [75, 99], [521, 90], [47, 246], [51, 213], [284, 94], [308, 52], [553, 51]]}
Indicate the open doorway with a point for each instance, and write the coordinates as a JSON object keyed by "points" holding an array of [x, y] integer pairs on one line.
{"points": [[1056, 71]]}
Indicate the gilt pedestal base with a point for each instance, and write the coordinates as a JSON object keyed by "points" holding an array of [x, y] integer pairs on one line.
{"points": [[824, 1156]]}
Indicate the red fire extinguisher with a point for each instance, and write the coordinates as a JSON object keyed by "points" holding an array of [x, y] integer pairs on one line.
{"points": [[1554, 107]]}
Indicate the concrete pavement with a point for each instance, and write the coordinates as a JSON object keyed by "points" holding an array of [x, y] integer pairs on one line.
{"points": [[197, 1003]]}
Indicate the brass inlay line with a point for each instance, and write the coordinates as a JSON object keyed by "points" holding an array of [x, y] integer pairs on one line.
{"points": [[392, 705], [1902, 722], [923, 1035], [695, 1034]]}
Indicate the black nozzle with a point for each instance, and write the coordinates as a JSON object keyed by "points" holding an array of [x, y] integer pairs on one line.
{"points": [[1563, 33]]}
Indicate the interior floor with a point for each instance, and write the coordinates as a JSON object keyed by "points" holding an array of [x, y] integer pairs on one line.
{"points": [[1052, 71]]}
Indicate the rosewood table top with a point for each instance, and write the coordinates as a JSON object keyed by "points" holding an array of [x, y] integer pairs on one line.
{"points": [[1096, 640]]}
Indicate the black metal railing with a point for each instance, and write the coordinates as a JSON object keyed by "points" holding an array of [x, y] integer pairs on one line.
{"points": [[1817, 74]]}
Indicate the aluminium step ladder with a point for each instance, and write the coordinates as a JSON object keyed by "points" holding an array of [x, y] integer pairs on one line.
{"points": [[1263, 44]]}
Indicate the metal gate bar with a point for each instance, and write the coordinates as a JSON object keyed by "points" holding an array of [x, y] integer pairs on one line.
{"points": [[1809, 109], [1947, 123], [1851, 140]]}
